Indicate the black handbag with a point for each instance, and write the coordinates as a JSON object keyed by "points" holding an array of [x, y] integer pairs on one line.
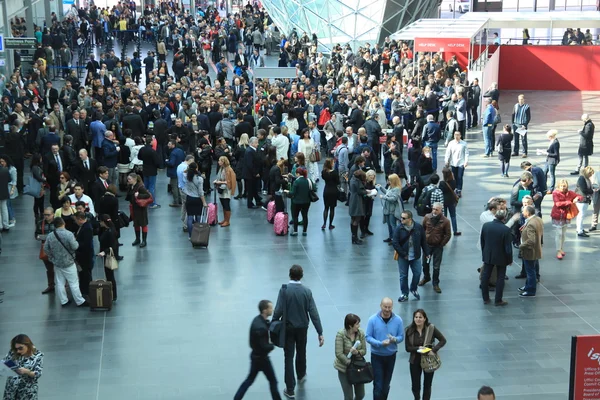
{"points": [[123, 220], [359, 371], [277, 328]]}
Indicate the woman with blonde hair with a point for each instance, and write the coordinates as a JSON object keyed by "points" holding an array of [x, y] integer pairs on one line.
{"points": [[392, 204], [562, 213], [585, 192], [225, 183], [552, 158]]}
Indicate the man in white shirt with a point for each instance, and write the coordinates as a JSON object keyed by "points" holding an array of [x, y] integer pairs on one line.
{"points": [[281, 143], [315, 134], [79, 196], [181, 179], [457, 158]]}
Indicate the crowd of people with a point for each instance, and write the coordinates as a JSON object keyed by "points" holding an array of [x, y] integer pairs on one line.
{"points": [[354, 126]]}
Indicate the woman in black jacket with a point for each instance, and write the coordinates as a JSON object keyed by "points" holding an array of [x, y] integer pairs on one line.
{"points": [[425, 164], [504, 143], [108, 241], [331, 178], [414, 342], [552, 159], [448, 185], [109, 205], [38, 174], [356, 208], [222, 150], [139, 214]]}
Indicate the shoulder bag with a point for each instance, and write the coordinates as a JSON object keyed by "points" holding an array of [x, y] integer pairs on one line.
{"points": [[144, 202], [110, 261], [401, 243], [359, 371], [79, 269], [430, 362], [277, 328]]}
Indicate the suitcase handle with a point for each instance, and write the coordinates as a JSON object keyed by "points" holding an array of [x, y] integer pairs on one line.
{"points": [[204, 215]]}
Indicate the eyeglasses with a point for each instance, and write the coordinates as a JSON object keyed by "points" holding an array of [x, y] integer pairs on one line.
{"points": [[404, 218], [19, 348], [47, 215]]}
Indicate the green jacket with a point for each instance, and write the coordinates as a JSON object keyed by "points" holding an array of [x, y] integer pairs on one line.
{"points": [[343, 344], [299, 191]]}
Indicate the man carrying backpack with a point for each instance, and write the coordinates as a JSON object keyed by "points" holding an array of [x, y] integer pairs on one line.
{"points": [[431, 194]]}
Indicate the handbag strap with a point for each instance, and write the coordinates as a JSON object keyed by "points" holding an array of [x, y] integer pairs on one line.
{"points": [[63, 245], [429, 335]]}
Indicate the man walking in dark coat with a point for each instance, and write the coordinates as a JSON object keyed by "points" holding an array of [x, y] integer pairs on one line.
{"points": [[496, 251], [251, 173]]}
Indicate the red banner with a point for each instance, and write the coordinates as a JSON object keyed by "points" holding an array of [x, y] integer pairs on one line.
{"points": [[456, 45], [585, 368]]}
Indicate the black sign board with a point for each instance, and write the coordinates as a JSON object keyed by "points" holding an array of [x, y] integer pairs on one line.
{"points": [[19, 43]]}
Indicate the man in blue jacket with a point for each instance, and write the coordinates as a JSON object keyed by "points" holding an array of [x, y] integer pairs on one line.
{"points": [[487, 126], [408, 240], [176, 157], [431, 136], [384, 331], [110, 153]]}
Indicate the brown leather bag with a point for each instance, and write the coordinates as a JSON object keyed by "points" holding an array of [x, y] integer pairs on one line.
{"points": [[43, 255]]}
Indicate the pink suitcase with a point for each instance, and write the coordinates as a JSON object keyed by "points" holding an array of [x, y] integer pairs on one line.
{"points": [[280, 226], [271, 212], [281, 223], [213, 211]]}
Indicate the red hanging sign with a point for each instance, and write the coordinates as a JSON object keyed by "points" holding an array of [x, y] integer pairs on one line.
{"points": [[585, 368], [456, 45]]}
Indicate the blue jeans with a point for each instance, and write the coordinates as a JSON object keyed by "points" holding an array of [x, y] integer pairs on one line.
{"points": [[383, 369], [531, 282], [11, 211], [433, 146], [458, 173], [416, 267], [452, 209], [150, 183], [550, 169], [391, 224], [488, 139]]}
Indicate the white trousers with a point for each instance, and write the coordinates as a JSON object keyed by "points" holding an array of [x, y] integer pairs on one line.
{"points": [[582, 209], [559, 239], [63, 275], [4, 214]]}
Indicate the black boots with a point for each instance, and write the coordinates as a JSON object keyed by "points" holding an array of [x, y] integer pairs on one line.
{"points": [[137, 238], [144, 236], [354, 230]]}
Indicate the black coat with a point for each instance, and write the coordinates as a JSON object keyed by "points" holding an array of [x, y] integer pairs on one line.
{"points": [[496, 243], [243, 127], [135, 123], [4, 180], [83, 175], [77, 130], [506, 140], [150, 159], [51, 167], [553, 156], [251, 164], [139, 215], [356, 119], [586, 139], [85, 252], [160, 131]]}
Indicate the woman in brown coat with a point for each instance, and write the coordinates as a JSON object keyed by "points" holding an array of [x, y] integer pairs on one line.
{"points": [[225, 183], [139, 214]]}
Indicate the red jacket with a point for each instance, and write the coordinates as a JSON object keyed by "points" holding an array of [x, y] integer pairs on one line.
{"points": [[562, 202]]}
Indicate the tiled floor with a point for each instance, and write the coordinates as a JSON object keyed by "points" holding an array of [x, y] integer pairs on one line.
{"points": [[179, 330]]}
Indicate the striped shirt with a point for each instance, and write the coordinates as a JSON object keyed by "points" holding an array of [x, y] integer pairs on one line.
{"points": [[521, 114]]}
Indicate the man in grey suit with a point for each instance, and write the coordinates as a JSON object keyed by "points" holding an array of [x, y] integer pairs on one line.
{"points": [[496, 251], [299, 306]]}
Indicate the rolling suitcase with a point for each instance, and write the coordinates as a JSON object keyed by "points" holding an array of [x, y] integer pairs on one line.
{"points": [[101, 293], [271, 212], [201, 231], [213, 211], [280, 226]]}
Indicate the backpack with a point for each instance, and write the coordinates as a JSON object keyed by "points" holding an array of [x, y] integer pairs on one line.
{"points": [[424, 203], [337, 156]]}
